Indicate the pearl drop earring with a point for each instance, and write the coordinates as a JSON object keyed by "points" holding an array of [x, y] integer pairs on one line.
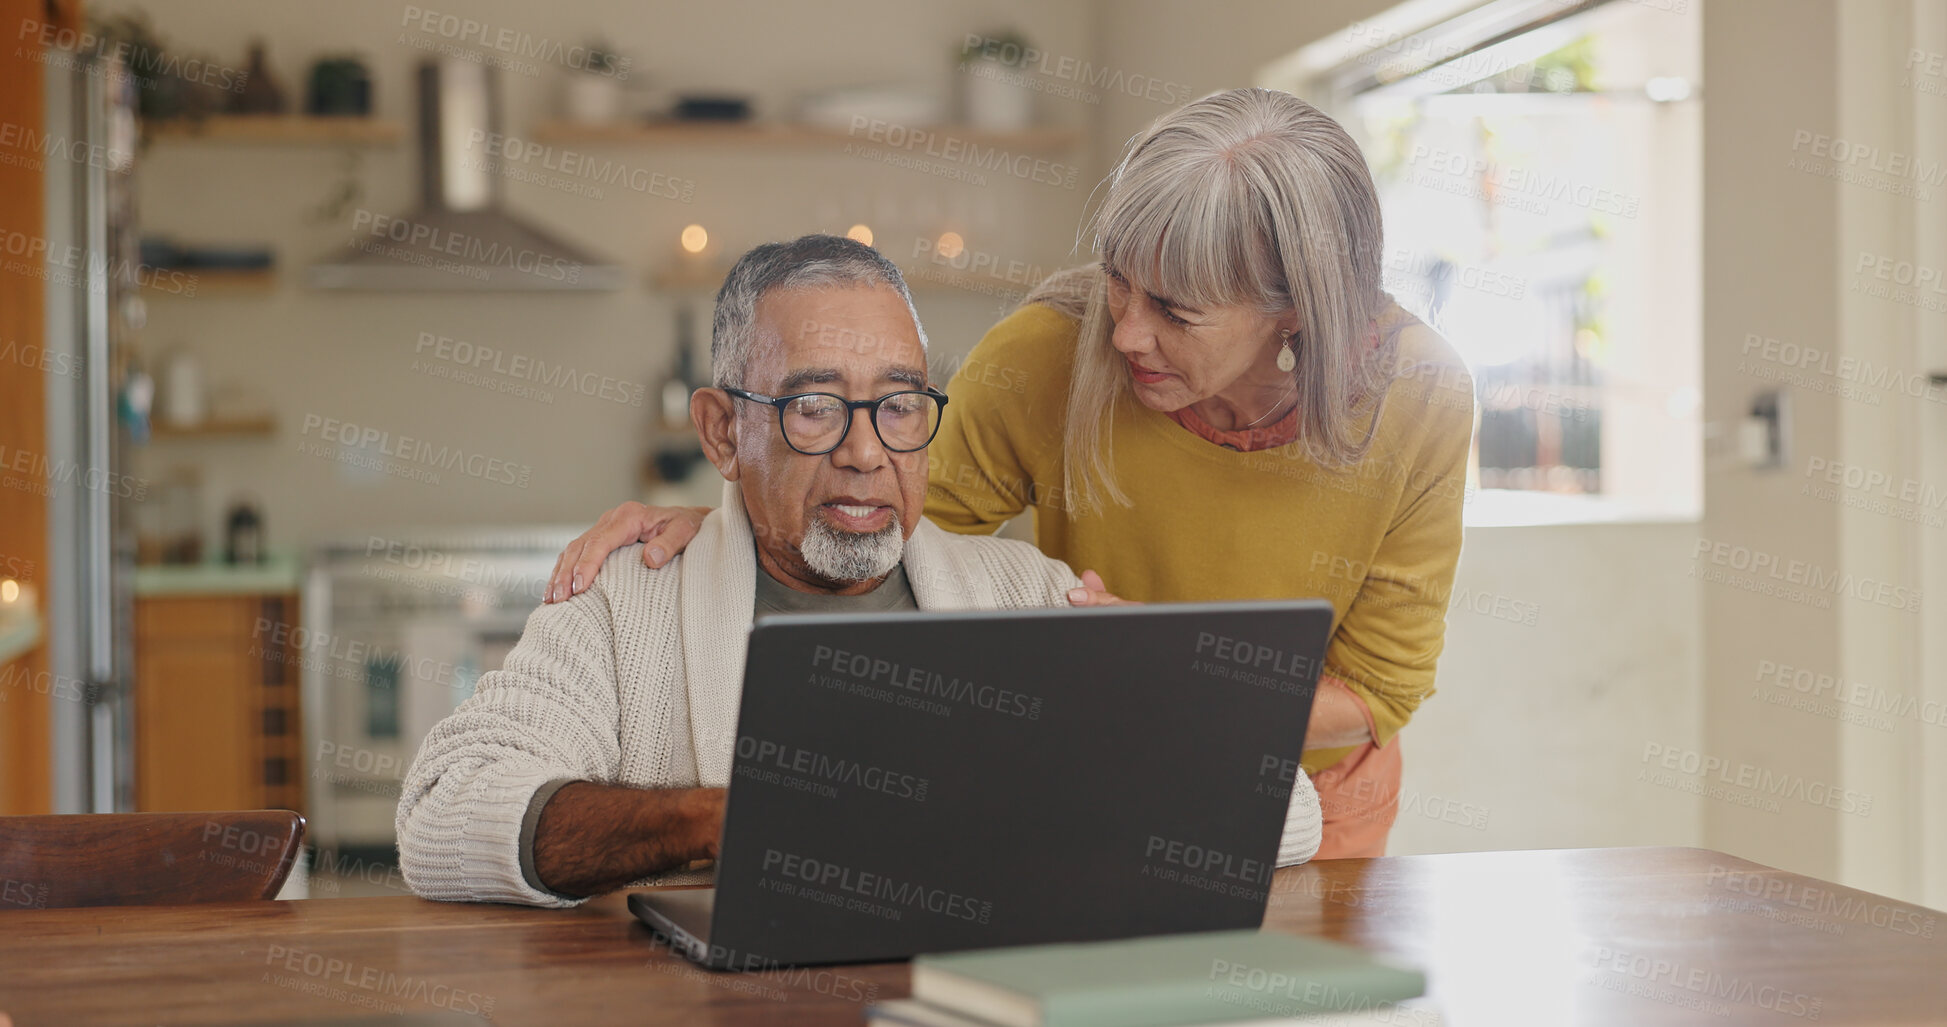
{"points": [[1287, 359]]}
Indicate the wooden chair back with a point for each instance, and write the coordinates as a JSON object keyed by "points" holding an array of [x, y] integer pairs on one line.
{"points": [[146, 859]]}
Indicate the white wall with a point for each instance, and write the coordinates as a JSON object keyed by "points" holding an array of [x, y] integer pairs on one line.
{"points": [[1537, 732], [1204, 46], [1928, 33], [1770, 69], [1892, 540], [1779, 71]]}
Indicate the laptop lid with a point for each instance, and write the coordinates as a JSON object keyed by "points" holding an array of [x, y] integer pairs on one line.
{"points": [[908, 783]]}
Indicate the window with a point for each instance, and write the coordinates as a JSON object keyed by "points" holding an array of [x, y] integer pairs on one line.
{"points": [[1538, 165]]}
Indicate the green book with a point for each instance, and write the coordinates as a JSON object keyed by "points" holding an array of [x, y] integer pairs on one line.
{"points": [[1162, 982]]}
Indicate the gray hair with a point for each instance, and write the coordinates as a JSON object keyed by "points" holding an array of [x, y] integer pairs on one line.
{"points": [[808, 261], [1252, 197]]}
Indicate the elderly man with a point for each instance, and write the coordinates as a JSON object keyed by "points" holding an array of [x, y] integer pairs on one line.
{"points": [[600, 754]]}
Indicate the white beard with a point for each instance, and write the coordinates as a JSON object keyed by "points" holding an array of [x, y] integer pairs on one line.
{"points": [[849, 556]]}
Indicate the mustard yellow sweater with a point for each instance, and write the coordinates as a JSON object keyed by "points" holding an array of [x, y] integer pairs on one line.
{"points": [[1379, 540]]}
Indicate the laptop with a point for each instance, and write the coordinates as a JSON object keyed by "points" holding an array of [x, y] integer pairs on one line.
{"points": [[928, 782]]}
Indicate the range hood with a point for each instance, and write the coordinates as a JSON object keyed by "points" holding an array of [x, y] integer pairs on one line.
{"points": [[459, 238]]}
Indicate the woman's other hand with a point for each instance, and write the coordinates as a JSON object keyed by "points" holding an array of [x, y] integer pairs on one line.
{"points": [[1094, 593], [666, 530]]}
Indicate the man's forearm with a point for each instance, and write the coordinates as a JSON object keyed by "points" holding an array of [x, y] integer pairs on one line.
{"points": [[594, 838]]}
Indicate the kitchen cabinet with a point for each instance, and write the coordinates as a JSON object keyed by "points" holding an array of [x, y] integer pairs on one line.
{"points": [[216, 703]]}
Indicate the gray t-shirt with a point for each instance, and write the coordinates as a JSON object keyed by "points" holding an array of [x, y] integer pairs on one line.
{"points": [[894, 593], [773, 596]]}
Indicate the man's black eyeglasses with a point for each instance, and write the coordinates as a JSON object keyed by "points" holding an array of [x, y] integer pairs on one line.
{"points": [[815, 423]]}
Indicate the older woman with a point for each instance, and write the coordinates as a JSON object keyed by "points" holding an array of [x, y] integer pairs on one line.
{"points": [[1227, 406]]}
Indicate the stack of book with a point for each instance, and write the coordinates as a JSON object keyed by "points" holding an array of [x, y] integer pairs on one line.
{"points": [[1224, 977]]}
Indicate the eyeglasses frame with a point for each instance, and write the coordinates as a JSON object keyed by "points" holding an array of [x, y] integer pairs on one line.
{"points": [[851, 406]]}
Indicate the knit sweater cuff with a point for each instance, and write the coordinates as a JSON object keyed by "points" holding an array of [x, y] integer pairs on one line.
{"points": [[530, 824], [490, 840], [1304, 826]]}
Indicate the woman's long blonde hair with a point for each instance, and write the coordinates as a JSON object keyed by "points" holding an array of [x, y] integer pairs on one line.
{"points": [[1251, 197]]}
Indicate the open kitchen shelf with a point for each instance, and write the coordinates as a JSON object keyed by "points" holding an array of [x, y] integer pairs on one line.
{"points": [[208, 281], [278, 130], [920, 278], [252, 427], [782, 136]]}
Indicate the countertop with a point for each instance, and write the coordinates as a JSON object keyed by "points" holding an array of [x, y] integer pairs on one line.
{"points": [[280, 573]]}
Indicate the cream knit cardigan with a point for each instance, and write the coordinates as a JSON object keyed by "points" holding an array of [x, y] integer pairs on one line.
{"points": [[589, 694]]}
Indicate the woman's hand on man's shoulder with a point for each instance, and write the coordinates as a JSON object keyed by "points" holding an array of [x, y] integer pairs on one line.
{"points": [[663, 530]]}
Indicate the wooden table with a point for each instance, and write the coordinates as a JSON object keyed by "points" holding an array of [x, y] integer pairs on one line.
{"points": [[1508, 939]]}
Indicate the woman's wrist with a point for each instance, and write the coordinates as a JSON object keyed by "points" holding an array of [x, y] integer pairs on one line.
{"points": [[1339, 718]]}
